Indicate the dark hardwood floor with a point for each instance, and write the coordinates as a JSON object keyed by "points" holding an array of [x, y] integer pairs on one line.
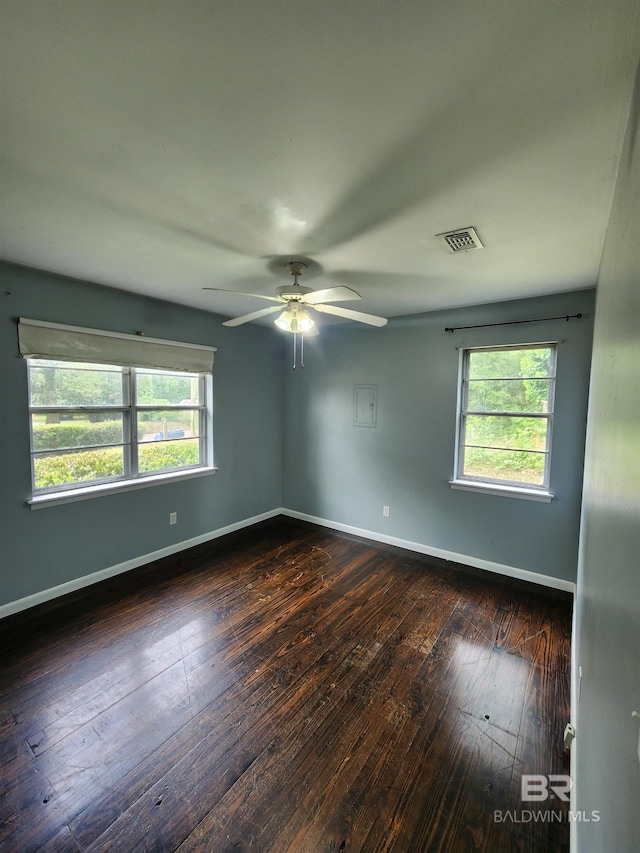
{"points": [[285, 689]]}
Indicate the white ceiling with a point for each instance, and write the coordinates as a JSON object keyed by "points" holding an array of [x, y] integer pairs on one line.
{"points": [[160, 146]]}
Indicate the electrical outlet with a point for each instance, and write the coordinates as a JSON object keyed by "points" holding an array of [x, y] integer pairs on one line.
{"points": [[385, 511], [173, 518]]}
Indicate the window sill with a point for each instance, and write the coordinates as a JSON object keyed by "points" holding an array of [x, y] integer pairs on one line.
{"points": [[503, 491], [87, 492]]}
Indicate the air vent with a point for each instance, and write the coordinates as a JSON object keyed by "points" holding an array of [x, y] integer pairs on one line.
{"points": [[462, 240]]}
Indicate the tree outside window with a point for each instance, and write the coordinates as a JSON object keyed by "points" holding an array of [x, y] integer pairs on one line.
{"points": [[506, 414]]}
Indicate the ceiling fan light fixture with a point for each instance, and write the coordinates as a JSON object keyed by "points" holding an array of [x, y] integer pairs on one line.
{"points": [[284, 321], [294, 319]]}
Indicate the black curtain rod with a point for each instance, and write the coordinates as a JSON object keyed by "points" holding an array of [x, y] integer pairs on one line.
{"points": [[566, 317]]}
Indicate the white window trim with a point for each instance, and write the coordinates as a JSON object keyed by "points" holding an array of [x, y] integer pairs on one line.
{"points": [[503, 490], [496, 487], [46, 499]]}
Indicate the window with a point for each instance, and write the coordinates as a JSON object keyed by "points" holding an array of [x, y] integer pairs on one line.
{"points": [[506, 415], [99, 424]]}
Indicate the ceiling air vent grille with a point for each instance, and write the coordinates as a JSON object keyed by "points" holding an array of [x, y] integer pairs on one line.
{"points": [[461, 240]]}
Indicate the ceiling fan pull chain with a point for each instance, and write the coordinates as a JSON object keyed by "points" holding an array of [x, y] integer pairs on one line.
{"points": [[294, 350], [302, 352]]}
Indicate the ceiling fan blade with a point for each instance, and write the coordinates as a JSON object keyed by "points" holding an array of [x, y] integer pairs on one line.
{"points": [[331, 294], [246, 318], [243, 293], [371, 319]]}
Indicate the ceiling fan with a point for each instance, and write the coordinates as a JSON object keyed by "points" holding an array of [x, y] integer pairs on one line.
{"points": [[293, 300]]}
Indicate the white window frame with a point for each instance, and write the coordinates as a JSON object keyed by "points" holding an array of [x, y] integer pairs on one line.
{"points": [[507, 488], [56, 342]]}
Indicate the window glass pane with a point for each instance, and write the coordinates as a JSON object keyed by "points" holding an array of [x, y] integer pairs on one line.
{"points": [[78, 467], [158, 387], [76, 442], [161, 455], [163, 426], [510, 363], [507, 448], [508, 395], [66, 383], [75, 430], [506, 465], [522, 433]]}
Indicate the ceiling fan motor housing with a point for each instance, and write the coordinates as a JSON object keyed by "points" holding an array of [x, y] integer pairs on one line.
{"points": [[293, 292]]}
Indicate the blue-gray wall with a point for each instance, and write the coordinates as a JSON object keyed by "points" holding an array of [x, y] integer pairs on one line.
{"points": [[285, 438], [40, 549], [343, 473], [607, 636]]}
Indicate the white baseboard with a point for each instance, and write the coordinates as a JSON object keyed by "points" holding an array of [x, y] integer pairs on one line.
{"points": [[465, 559], [111, 571]]}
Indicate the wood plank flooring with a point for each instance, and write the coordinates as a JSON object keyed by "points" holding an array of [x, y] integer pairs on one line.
{"points": [[285, 689]]}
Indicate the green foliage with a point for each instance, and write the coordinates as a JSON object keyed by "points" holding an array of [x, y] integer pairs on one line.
{"points": [[168, 454], [161, 388], [69, 384], [78, 467], [76, 434], [506, 432], [81, 438], [508, 381], [157, 390], [510, 363], [496, 464], [86, 466], [59, 384]]}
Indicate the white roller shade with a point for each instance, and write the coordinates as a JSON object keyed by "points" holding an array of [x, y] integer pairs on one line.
{"points": [[39, 339]]}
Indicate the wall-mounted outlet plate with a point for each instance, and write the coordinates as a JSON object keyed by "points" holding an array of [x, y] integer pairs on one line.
{"points": [[173, 518]]}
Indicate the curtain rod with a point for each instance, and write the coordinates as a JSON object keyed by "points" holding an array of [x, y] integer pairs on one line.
{"points": [[566, 317]]}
